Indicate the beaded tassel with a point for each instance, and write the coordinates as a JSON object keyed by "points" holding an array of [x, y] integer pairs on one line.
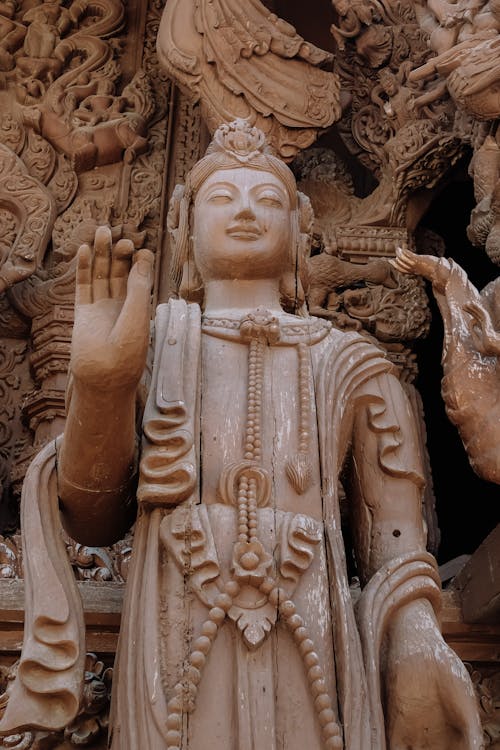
{"points": [[298, 468]]}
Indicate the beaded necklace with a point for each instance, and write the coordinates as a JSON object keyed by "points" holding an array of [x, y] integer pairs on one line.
{"points": [[246, 485]]}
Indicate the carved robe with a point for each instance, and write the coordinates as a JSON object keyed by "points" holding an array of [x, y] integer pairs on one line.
{"points": [[194, 669]]}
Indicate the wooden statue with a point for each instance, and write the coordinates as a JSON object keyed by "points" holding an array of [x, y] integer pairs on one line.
{"points": [[471, 351], [238, 628]]}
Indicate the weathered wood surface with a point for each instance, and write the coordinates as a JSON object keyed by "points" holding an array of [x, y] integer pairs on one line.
{"points": [[102, 604]]}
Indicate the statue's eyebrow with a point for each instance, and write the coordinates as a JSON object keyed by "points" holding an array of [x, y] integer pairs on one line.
{"points": [[269, 186], [217, 185]]}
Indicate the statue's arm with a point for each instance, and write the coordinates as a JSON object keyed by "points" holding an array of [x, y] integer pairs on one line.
{"points": [[427, 692], [387, 476], [96, 462]]}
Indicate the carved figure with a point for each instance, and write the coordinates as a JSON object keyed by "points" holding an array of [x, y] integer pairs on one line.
{"points": [[468, 65], [238, 608], [351, 16], [240, 60], [91, 125], [27, 213], [471, 350], [329, 273], [472, 75], [484, 227]]}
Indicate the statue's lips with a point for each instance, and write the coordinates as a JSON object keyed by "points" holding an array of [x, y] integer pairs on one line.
{"points": [[244, 233]]}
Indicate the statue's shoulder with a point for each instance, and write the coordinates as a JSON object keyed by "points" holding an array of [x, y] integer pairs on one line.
{"points": [[176, 312], [352, 356], [338, 338], [174, 321]]}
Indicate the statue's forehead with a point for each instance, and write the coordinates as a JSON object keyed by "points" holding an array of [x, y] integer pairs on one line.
{"points": [[242, 175]]}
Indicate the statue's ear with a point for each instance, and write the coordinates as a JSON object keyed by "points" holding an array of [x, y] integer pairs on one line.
{"points": [[306, 214], [191, 285], [178, 231], [293, 282], [306, 225]]}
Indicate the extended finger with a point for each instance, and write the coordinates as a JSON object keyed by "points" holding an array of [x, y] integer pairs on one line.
{"points": [[120, 266], [405, 255], [400, 265], [135, 314], [83, 294], [102, 263]]}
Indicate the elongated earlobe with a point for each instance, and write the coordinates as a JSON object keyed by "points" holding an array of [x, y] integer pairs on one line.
{"points": [[191, 286]]}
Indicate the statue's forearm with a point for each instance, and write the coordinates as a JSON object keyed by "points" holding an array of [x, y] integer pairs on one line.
{"points": [[96, 465], [387, 479], [388, 524]]}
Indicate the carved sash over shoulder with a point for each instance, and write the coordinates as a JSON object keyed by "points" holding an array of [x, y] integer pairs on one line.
{"points": [[168, 466]]}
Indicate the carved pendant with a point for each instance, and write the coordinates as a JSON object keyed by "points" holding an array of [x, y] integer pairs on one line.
{"points": [[299, 472], [253, 615]]}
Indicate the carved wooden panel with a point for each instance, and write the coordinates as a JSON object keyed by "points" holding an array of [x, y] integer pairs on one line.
{"points": [[93, 130]]}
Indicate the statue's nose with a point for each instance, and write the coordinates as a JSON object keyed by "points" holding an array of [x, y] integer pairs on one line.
{"points": [[245, 211]]}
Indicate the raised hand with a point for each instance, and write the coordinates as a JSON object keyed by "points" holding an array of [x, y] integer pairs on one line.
{"points": [[437, 270], [110, 340], [112, 313]]}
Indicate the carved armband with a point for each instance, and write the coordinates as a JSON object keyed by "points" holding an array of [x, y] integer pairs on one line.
{"points": [[69, 491]]}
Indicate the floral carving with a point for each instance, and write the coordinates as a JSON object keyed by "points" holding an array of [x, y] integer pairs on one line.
{"points": [[28, 211], [89, 726]]}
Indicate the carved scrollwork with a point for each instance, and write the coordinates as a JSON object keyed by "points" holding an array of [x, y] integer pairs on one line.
{"points": [[26, 205], [10, 557], [400, 128], [90, 724], [487, 686]]}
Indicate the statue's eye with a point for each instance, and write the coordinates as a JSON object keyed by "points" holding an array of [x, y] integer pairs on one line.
{"points": [[220, 197], [270, 199]]}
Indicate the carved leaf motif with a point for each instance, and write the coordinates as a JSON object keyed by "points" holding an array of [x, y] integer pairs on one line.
{"points": [[139, 95], [12, 133], [39, 157], [254, 624], [63, 183], [299, 472]]}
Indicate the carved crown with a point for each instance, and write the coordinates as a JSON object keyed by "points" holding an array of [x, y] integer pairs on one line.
{"points": [[239, 140]]}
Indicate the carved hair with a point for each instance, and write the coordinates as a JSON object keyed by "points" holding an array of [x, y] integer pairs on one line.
{"points": [[235, 145]]}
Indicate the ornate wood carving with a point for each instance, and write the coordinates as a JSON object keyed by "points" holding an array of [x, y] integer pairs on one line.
{"points": [[93, 131], [246, 62], [27, 212]]}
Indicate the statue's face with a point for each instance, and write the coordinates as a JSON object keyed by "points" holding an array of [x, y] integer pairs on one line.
{"points": [[242, 225]]}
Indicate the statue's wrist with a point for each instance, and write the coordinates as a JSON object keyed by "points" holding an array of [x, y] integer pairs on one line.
{"points": [[414, 612], [68, 488], [94, 475], [104, 387]]}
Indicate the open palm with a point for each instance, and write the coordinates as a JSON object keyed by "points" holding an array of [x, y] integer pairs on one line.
{"points": [[112, 311]]}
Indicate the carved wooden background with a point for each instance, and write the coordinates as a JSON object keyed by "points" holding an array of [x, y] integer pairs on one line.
{"points": [[93, 131]]}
